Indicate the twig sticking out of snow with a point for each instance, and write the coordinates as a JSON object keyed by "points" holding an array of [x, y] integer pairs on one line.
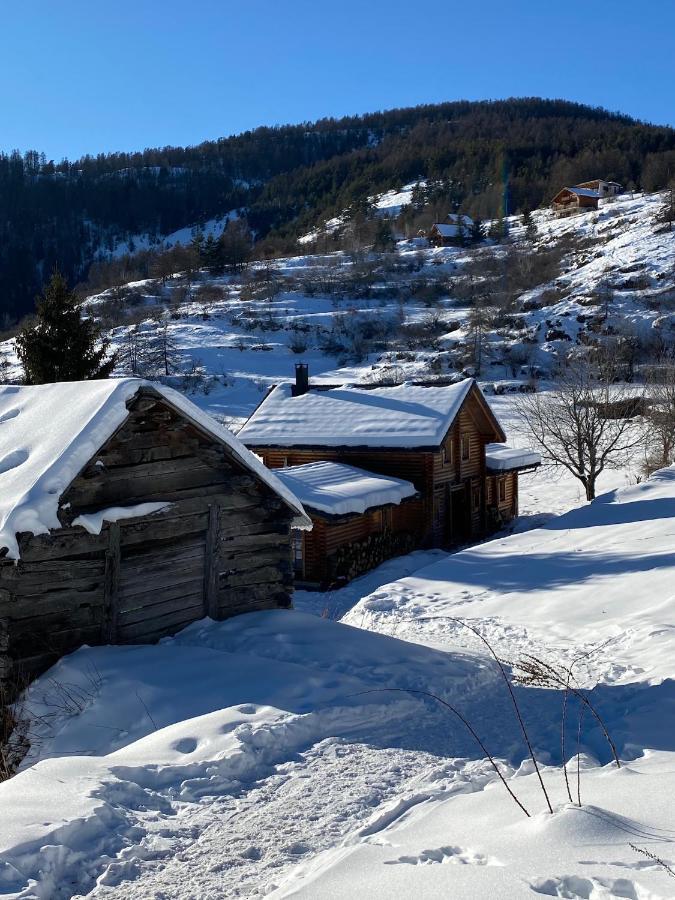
{"points": [[515, 706], [466, 724], [654, 857]]}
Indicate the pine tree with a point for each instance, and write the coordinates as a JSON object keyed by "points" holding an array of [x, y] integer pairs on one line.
{"points": [[529, 225], [384, 236], [477, 232], [58, 344], [461, 230]]}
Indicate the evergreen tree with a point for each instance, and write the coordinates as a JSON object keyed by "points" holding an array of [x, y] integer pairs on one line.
{"points": [[58, 344], [461, 230], [384, 237], [235, 243], [529, 225], [477, 232]]}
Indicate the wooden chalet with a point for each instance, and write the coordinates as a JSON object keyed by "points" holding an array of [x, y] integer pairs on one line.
{"points": [[434, 437], [455, 231], [572, 200], [125, 514], [359, 519], [604, 188]]}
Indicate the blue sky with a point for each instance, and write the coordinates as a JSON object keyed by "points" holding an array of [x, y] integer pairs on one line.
{"points": [[80, 77]]}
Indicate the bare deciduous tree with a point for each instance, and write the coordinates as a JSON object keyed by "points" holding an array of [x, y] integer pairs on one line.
{"points": [[583, 424], [660, 415]]}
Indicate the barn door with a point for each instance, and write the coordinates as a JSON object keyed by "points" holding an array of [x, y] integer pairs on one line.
{"points": [[157, 585]]}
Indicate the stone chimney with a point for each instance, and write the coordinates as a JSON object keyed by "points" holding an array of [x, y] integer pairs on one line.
{"points": [[301, 385]]}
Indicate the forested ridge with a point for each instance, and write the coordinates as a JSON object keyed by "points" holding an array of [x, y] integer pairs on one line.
{"points": [[286, 179]]}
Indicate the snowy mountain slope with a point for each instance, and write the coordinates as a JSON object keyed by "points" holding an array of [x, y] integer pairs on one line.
{"points": [[392, 317], [137, 242], [242, 758]]}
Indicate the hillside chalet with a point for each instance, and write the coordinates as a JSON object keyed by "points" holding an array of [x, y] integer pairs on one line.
{"points": [[604, 188], [454, 231], [572, 200], [125, 514], [441, 441]]}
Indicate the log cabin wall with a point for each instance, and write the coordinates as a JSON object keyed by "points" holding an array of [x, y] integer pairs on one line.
{"points": [[349, 546], [221, 547], [502, 499]]}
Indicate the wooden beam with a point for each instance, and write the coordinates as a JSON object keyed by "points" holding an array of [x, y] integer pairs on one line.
{"points": [[112, 585], [211, 563]]}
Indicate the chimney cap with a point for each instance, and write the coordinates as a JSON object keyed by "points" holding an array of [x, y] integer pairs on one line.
{"points": [[301, 385]]}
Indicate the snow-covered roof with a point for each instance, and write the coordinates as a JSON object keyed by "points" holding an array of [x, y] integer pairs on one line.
{"points": [[585, 192], [500, 458], [49, 432], [339, 490], [406, 416], [454, 218], [446, 230]]}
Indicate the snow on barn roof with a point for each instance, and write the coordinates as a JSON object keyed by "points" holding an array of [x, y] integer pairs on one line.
{"points": [[339, 490], [49, 432], [408, 416], [499, 458]]}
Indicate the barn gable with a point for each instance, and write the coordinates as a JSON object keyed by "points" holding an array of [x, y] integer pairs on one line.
{"points": [[50, 433]]}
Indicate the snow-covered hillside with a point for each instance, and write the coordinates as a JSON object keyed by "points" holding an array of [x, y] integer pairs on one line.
{"points": [[269, 756], [400, 316]]}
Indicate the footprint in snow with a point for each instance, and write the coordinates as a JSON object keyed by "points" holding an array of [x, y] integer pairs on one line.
{"points": [[13, 460], [576, 887], [10, 414], [445, 855]]}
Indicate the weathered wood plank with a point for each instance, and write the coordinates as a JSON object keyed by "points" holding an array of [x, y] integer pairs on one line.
{"points": [[150, 629], [67, 543], [112, 585], [139, 578], [175, 586], [160, 553], [63, 599], [185, 600], [211, 563], [242, 561]]}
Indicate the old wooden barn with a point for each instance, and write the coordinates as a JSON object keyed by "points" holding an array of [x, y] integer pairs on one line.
{"points": [[125, 514], [434, 437]]}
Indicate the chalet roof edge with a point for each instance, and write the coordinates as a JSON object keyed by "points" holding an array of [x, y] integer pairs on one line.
{"points": [[380, 418]]}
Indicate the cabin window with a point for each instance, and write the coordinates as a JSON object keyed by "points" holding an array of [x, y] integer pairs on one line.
{"points": [[475, 498], [446, 454], [466, 447], [386, 519], [502, 490], [297, 552], [284, 462]]}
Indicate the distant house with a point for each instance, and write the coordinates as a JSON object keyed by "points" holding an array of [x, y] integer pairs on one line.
{"points": [[125, 514], [572, 200], [433, 437], [455, 230], [604, 188], [359, 519]]}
